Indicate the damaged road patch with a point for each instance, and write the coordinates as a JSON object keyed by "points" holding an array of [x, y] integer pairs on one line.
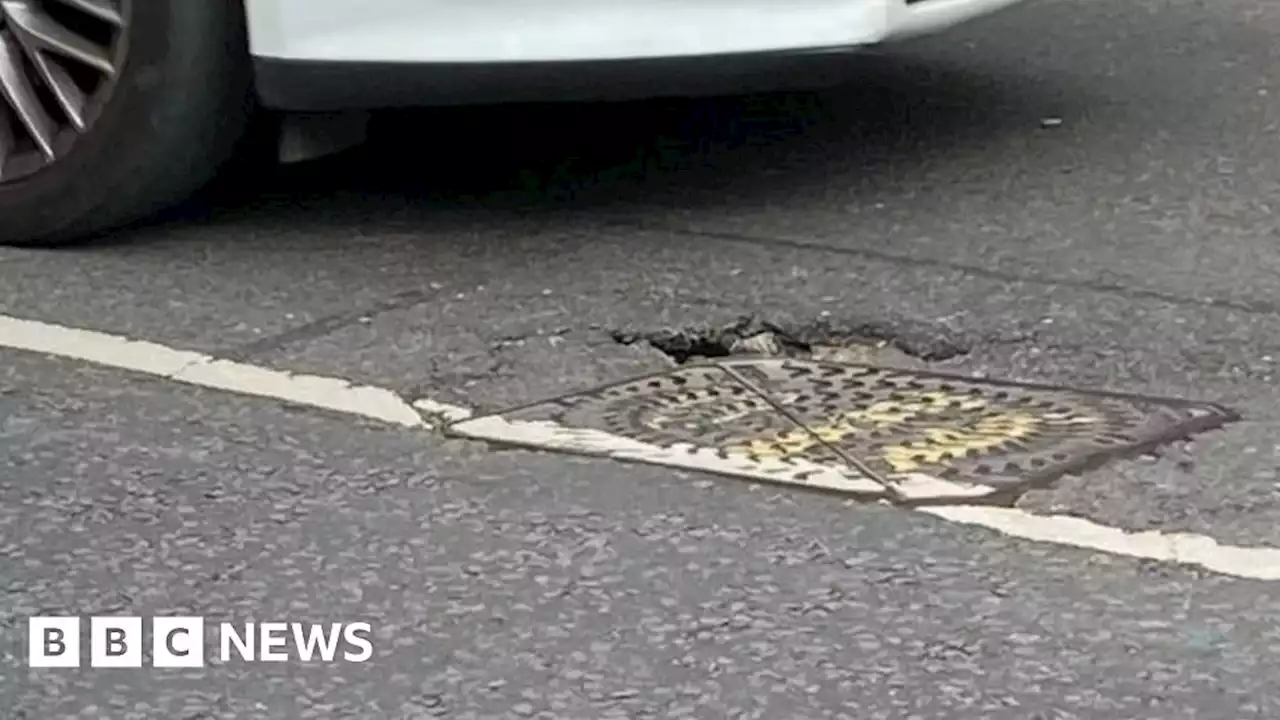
{"points": [[900, 343], [900, 434]]}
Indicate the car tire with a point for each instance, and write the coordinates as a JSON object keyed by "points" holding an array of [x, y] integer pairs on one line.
{"points": [[180, 101]]}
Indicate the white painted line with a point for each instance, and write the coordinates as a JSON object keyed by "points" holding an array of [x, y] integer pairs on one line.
{"points": [[1258, 563], [927, 487], [445, 413], [336, 394], [202, 370], [547, 435]]}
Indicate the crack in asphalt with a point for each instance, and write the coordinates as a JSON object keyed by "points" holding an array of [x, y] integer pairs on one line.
{"points": [[324, 326], [1252, 307]]}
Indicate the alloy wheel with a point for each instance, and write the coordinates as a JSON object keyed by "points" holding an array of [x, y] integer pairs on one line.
{"points": [[59, 61]]}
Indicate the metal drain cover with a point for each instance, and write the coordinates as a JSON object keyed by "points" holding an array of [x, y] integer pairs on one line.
{"points": [[895, 433]]}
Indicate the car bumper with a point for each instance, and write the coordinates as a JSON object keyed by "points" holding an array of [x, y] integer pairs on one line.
{"points": [[330, 54], [911, 19], [511, 31]]}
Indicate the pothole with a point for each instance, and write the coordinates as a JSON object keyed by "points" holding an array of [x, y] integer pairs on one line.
{"points": [[860, 343]]}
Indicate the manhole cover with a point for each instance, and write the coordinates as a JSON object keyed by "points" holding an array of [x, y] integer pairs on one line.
{"points": [[851, 428]]}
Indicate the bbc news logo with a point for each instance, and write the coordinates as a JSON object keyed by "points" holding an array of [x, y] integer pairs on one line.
{"points": [[179, 642]]}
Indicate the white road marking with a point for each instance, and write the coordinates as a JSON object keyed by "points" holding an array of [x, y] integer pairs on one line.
{"points": [[336, 394], [195, 368], [1259, 563], [441, 411], [918, 486]]}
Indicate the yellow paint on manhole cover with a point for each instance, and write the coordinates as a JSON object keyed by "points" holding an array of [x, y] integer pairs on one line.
{"points": [[851, 428]]}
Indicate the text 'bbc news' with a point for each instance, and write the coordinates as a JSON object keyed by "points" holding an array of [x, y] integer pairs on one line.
{"points": [[179, 642]]}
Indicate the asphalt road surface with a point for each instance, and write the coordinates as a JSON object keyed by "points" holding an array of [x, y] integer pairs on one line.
{"points": [[1079, 193]]}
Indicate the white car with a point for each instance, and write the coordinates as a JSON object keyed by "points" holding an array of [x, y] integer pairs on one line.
{"points": [[113, 109]]}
